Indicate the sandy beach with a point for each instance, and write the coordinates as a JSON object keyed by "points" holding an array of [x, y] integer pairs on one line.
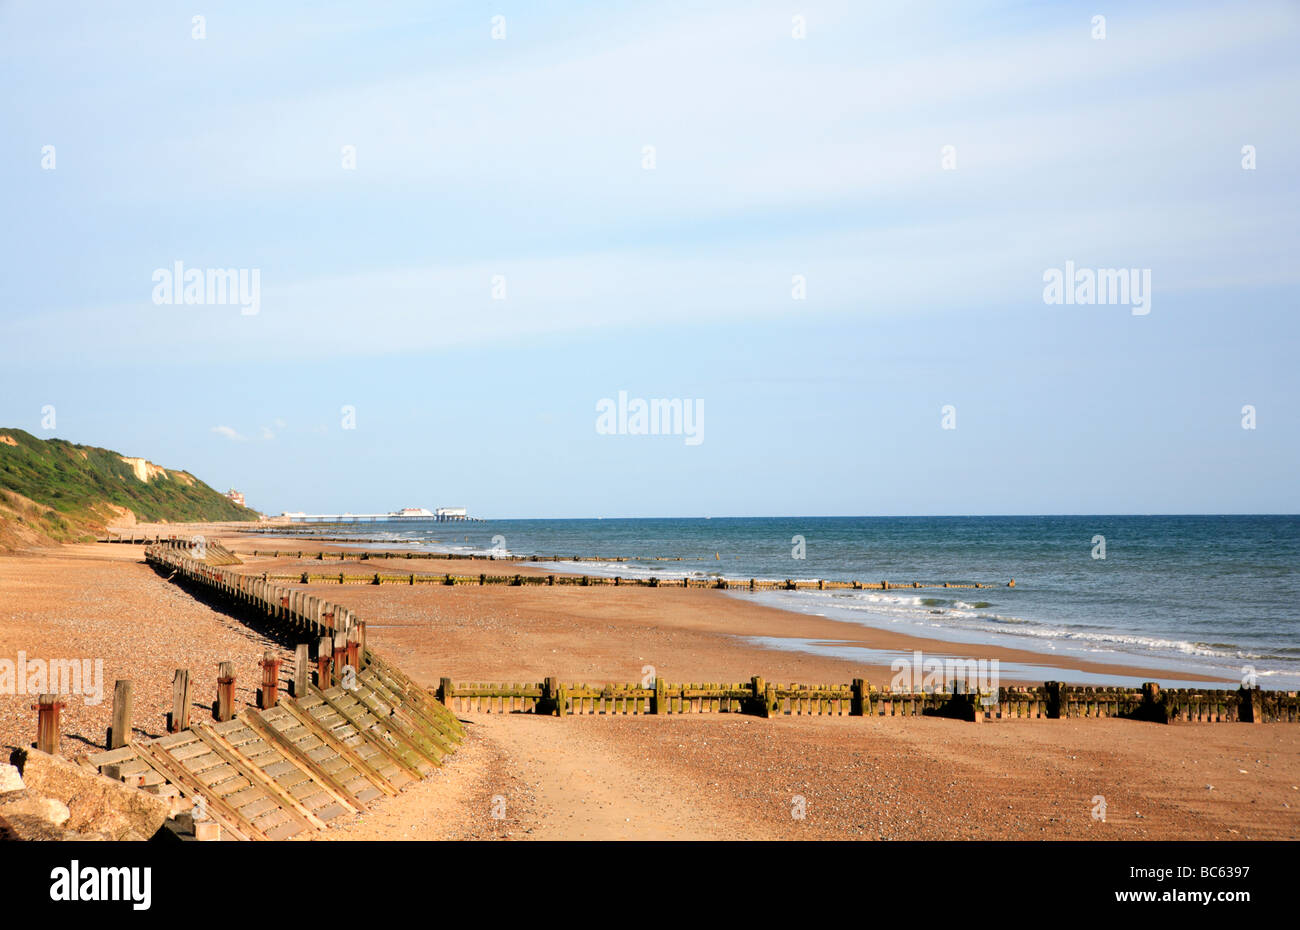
{"points": [[606, 633], [709, 777]]}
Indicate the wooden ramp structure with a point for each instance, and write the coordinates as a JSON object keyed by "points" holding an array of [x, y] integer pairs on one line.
{"points": [[362, 732], [294, 768]]}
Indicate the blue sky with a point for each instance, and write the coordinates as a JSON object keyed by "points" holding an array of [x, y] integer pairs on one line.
{"points": [[523, 157]]}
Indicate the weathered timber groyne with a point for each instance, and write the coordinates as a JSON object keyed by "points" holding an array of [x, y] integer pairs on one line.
{"points": [[518, 580], [355, 728], [467, 556], [751, 584], [1052, 701], [710, 582]]}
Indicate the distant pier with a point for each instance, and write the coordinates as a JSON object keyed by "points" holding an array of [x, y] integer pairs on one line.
{"points": [[441, 515]]}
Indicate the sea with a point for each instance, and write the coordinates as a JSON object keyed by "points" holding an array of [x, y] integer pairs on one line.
{"points": [[1203, 598]]}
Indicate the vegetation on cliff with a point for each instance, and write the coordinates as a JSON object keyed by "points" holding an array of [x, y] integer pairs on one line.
{"points": [[65, 491]]}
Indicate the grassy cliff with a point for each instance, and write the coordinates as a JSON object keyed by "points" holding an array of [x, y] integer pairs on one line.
{"points": [[64, 491]]}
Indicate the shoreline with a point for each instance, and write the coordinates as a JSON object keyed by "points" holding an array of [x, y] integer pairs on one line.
{"points": [[704, 776], [790, 626]]}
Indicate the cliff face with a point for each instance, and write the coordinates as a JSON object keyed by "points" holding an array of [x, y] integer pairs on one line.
{"points": [[145, 469], [59, 490]]}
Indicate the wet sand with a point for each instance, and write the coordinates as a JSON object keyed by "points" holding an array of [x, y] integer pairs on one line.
{"points": [[606, 633]]}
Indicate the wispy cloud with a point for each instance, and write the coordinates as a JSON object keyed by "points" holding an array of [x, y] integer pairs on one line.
{"points": [[264, 433], [775, 157]]}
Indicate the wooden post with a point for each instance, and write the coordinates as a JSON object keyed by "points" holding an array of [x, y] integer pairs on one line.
{"points": [[660, 705], [1054, 708], [1251, 706], [361, 640], [446, 691], [225, 691], [179, 718], [553, 695], [340, 656], [857, 703], [119, 733], [1153, 708], [47, 709], [353, 650], [269, 696], [759, 700], [301, 670], [324, 655]]}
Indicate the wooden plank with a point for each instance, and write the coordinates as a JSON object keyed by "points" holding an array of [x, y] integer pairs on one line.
{"points": [[313, 769], [225, 691], [249, 770], [416, 715], [401, 684], [389, 751], [230, 818], [326, 736], [181, 699], [386, 722], [112, 756], [301, 670], [383, 732], [123, 704], [441, 744], [185, 749]]}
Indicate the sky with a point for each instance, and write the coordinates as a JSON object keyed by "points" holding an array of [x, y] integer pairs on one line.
{"points": [[826, 227]]}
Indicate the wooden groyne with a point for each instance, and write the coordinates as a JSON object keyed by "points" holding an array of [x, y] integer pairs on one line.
{"points": [[751, 584], [1052, 701], [519, 580], [281, 771], [133, 538], [467, 556], [215, 553], [355, 728], [470, 556]]}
